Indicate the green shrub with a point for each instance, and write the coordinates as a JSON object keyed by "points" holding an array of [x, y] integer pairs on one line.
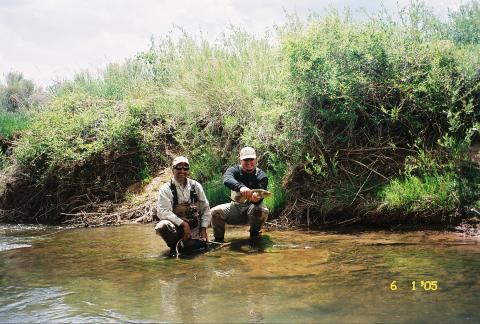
{"points": [[16, 94], [464, 26], [73, 129], [374, 95], [359, 80], [477, 204]]}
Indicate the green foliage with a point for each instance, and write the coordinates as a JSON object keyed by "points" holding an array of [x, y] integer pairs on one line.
{"points": [[383, 97], [348, 105], [419, 23], [359, 78], [477, 204], [12, 122], [215, 191], [75, 128], [117, 82], [415, 194], [18, 94], [465, 24], [469, 185], [278, 200], [3, 161], [145, 173], [433, 190]]}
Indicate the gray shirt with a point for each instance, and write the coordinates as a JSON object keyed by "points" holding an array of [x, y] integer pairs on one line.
{"points": [[165, 202]]}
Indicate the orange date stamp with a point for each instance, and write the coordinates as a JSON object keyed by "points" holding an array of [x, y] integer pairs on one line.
{"points": [[420, 285]]}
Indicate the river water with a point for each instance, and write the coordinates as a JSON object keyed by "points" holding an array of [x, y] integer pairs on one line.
{"points": [[114, 274]]}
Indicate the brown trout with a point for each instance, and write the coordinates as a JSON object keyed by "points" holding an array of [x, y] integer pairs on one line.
{"points": [[237, 197]]}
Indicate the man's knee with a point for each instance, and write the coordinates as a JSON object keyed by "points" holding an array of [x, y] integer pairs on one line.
{"points": [[261, 212], [164, 226], [168, 232], [218, 213]]}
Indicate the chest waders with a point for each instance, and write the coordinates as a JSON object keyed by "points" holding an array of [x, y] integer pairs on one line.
{"points": [[186, 211]]}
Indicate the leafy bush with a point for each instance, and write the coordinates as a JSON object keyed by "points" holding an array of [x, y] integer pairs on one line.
{"points": [[464, 24], [277, 202], [215, 191], [372, 94]]}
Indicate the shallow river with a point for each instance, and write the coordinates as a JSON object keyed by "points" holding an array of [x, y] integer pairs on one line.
{"points": [[117, 274]]}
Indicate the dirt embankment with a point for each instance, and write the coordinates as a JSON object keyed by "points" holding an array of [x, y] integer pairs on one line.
{"points": [[139, 205], [135, 203]]}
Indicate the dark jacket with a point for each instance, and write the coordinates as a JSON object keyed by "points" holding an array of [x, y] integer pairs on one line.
{"points": [[234, 178]]}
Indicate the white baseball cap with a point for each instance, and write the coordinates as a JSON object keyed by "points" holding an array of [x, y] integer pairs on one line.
{"points": [[179, 159], [247, 153]]}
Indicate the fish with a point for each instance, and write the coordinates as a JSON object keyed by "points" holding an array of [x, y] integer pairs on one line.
{"points": [[237, 197]]}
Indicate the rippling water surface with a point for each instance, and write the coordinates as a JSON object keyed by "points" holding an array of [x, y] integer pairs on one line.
{"points": [[116, 274]]}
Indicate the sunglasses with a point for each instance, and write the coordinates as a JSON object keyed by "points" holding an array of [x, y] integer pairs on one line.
{"points": [[248, 160], [184, 168]]}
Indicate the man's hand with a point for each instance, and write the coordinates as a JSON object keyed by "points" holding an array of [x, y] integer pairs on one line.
{"points": [[187, 233], [203, 234], [255, 197], [246, 192]]}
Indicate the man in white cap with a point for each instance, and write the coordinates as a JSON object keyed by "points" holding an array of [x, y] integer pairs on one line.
{"points": [[182, 207], [246, 206]]}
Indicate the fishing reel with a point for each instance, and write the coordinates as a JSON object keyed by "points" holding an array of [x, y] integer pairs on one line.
{"points": [[193, 211], [192, 216]]}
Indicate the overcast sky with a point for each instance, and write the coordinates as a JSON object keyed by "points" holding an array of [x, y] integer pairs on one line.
{"points": [[50, 40]]}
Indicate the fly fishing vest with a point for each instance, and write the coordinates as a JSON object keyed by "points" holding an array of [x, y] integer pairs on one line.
{"points": [[186, 211]]}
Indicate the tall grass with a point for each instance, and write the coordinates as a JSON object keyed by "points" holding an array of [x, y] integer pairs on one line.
{"points": [[11, 122], [216, 192], [414, 194]]}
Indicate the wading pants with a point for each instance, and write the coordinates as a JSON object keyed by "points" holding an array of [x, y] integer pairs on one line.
{"points": [[236, 213], [171, 234]]}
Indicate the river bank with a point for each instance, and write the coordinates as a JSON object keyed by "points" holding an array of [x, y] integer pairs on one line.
{"points": [[354, 121]]}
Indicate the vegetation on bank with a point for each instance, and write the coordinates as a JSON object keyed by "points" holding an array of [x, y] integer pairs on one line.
{"points": [[18, 96], [386, 104], [353, 121]]}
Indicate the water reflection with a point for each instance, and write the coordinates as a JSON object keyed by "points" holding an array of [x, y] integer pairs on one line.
{"points": [[121, 274]]}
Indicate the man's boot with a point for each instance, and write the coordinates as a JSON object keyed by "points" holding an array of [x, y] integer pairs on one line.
{"points": [[254, 234]]}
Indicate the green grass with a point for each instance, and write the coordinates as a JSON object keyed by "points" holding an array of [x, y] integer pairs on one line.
{"points": [[277, 201], [12, 122], [414, 194], [216, 192]]}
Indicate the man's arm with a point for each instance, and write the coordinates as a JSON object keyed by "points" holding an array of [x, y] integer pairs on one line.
{"points": [[229, 179]]}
